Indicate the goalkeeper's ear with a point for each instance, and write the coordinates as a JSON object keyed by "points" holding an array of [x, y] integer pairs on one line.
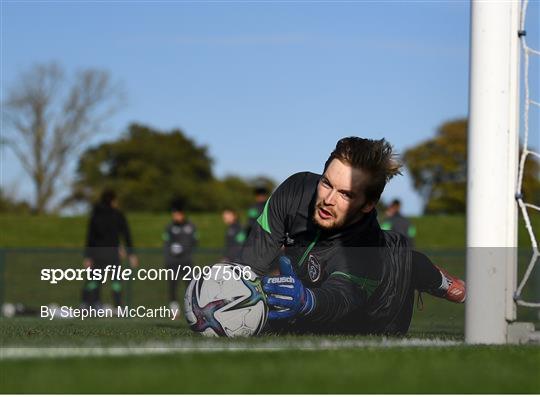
{"points": [[368, 207]]}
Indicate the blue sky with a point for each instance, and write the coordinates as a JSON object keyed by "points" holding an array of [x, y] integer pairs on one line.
{"points": [[269, 87]]}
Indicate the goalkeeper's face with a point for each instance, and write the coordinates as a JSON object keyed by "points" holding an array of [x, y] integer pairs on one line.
{"points": [[340, 196]]}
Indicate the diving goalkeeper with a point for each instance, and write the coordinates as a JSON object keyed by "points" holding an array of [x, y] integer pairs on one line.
{"points": [[338, 271]]}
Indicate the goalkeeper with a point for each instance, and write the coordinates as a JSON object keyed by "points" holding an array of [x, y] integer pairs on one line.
{"points": [[338, 271]]}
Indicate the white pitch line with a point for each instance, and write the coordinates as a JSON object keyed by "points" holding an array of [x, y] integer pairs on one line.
{"points": [[179, 347]]}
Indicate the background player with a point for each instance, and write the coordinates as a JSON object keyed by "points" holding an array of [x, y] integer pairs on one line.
{"points": [[396, 222], [261, 195], [234, 236], [106, 227], [179, 239]]}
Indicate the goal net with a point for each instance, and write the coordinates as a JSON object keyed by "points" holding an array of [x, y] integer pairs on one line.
{"points": [[528, 153]]}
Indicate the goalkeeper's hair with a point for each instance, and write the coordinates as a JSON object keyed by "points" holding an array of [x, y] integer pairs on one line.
{"points": [[375, 157]]}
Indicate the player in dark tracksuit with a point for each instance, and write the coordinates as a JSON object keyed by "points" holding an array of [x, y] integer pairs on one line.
{"points": [[234, 236], [347, 276], [261, 195], [396, 222], [180, 238], [106, 228]]}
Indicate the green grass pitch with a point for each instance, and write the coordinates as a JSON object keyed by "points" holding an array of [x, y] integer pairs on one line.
{"points": [[265, 364], [362, 370]]}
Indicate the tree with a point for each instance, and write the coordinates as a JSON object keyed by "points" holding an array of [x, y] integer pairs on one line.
{"points": [[49, 118], [148, 168], [438, 167], [9, 204]]}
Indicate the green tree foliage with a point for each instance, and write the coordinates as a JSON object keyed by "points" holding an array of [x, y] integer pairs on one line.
{"points": [[9, 204], [438, 167], [149, 168]]}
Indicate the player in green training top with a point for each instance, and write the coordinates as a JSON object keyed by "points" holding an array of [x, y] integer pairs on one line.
{"points": [[396, 222], [338, 271], [261, 195]]}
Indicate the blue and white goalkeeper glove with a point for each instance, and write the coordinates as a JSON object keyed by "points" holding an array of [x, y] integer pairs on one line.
{"points": [[286, 295]]}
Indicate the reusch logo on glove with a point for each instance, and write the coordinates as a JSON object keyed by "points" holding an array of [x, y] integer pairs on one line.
{"points": [[281, 280]]}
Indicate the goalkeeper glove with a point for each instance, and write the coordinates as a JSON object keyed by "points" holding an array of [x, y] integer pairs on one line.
{"points": [[286, 295]]}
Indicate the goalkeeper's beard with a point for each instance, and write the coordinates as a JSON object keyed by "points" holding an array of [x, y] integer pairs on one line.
{"points": [[335, 222]]}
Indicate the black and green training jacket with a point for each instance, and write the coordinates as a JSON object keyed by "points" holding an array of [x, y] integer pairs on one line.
{"points": [[360, 275]]}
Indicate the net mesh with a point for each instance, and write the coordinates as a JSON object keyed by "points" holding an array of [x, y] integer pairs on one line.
{"points": [[527, 208]]}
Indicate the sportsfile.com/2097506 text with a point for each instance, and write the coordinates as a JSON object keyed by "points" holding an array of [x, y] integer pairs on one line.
{"points": [[114, 272]]}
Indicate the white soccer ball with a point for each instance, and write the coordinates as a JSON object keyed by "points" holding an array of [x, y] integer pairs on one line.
{"points": [[227, 302], [8, 310]]}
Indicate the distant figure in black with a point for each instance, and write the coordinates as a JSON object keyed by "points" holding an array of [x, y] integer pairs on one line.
{"points": [[106, 228]]}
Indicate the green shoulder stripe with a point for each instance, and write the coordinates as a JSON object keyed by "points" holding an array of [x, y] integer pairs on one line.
{"points": [[368, 285], [263, 218]]}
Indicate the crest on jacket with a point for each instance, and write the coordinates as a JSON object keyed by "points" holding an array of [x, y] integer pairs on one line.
{"points": [[314, 269]]}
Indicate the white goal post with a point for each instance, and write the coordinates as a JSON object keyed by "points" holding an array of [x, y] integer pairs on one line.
{"points": [[494, 188], [493, 150]]}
